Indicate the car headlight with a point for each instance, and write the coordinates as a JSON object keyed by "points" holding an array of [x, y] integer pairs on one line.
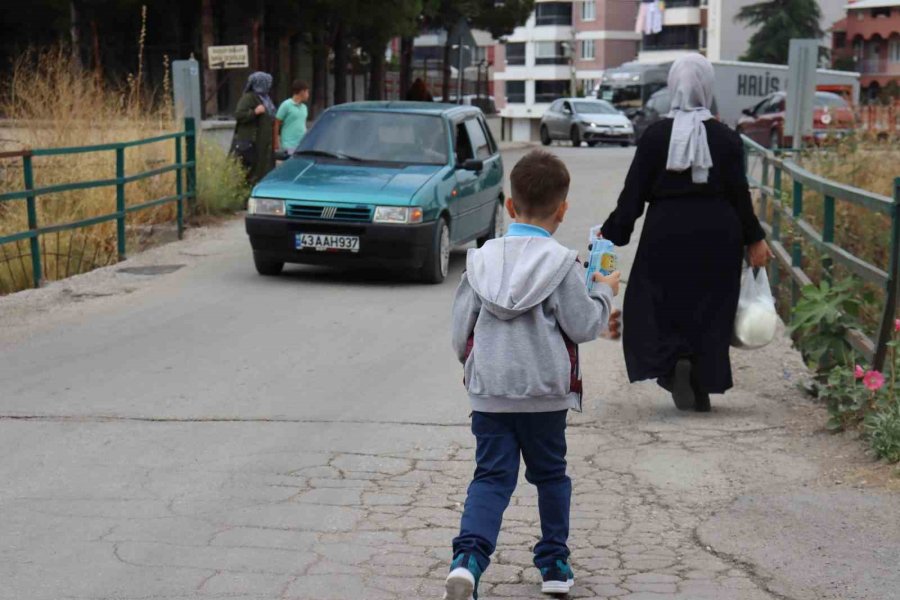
{"points": [[265, 206], [397, 214]]}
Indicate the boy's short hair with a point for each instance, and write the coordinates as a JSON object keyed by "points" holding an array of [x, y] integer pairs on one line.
{"points": [[540, 183], [299, 86]]}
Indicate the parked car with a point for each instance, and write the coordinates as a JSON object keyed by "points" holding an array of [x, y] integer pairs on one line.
{"points": [[656, 109], [387, 184], [592, 121], [487, 104], [764, 123]]}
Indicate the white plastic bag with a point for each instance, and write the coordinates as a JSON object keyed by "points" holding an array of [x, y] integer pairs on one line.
{"points": [[756, 320]]}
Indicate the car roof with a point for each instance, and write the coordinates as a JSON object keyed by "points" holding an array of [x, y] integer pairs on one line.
{"points": [[415, 108]]}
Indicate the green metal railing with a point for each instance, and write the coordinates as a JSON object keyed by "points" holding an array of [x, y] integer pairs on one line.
{"points": [[775, 167], [185, 189]]}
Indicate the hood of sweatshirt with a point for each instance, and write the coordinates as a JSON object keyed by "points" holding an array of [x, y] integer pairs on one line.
{"points": [[512, 275]]}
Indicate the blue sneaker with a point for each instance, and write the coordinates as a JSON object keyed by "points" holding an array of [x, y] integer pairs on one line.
{"points": [[462, 582], [558, 579]]}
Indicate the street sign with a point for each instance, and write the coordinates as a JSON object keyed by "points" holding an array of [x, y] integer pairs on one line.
{"points": [[228, 57], [803, 58], [463, 55]]}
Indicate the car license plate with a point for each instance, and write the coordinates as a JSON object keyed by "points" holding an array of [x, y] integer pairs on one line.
{"points": [[326, 242]]}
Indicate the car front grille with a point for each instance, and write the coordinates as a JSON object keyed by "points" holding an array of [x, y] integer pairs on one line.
{"points": [[353, 214]]}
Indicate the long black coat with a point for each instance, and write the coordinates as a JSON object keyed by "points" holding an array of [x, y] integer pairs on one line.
{"points": [[683, 288]]}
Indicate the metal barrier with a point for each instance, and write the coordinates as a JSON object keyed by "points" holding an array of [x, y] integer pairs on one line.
{"points": [[873, 349], [185, 188]]}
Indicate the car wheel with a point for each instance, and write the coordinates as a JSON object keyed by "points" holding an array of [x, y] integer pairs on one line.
{"points": [[437, 261], [593, 144], [545, 136], [624, 144], [774, 142], [497, 226], [267, 267], [576, 136]]}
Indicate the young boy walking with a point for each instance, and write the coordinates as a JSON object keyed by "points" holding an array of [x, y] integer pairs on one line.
{"points": [[521, 308]]}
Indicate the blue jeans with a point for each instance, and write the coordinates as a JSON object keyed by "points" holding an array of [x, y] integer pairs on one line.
{"points": [[500, 438]]}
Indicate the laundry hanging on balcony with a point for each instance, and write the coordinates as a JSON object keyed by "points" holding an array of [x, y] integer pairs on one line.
{"points": [[650, 17]]}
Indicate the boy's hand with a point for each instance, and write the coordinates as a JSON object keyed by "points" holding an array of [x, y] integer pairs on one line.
{"points": [[612, 280], [615, 325]]}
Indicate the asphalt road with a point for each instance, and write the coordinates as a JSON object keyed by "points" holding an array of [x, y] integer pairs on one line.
{"points": [[211, 433]]}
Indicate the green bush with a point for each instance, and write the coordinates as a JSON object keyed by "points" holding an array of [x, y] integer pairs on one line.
{"points": [[222, 186], [822, 317]]}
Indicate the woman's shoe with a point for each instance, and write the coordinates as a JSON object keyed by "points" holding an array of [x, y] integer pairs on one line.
{"points": [[702, 402], [682, 389]]}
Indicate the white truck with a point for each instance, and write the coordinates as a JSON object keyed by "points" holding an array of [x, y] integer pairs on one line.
{"points": [[739, 85]]}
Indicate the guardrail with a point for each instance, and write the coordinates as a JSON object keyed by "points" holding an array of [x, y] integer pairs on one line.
{"points": [[185, 188], [874, 350]]}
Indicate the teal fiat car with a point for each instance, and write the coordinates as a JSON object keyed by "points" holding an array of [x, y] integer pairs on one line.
{"points": [[391, 185]]}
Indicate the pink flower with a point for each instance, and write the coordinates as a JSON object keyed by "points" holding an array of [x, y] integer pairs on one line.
{"points": [[897, 325], [873, 380], [858, 372]]}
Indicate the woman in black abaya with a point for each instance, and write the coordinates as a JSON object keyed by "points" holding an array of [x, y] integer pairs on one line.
{"points": [[683, 289]]}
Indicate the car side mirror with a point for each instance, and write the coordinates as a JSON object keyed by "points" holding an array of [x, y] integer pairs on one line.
{"points": [[472, 164]]}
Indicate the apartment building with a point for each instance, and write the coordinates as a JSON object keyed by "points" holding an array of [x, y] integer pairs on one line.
{"points": [[868, 40], [709, 27], [562, 43]]}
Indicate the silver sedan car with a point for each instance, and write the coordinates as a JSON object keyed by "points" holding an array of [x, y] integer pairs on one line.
{"points": [[585, 120]]}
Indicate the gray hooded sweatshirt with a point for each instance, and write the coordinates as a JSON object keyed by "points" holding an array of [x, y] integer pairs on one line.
{"points": [[516, 299]]}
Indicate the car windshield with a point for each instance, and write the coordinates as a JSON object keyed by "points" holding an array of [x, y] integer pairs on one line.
{"points": [[830, 101], [372, 136], [622, 97], [595, 108]]}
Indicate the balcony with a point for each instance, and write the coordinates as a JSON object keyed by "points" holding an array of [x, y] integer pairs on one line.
{"points": [[676, 37], [878, 66], [553, 13], [682, 4]]}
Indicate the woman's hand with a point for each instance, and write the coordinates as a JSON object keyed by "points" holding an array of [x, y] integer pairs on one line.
{"points": [[760, 253], [615, 325], [260, 109]]}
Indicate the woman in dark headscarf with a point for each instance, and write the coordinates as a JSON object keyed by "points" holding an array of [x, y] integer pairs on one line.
{"points": [[683, 289], [253, 134]]}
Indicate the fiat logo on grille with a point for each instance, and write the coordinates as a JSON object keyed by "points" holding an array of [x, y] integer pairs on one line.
{"points": [[329, 212]]}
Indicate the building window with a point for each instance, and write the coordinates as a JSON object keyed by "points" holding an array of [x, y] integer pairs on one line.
{"points": [[515, 53], [840, 39], [550, 53], [881, 12], [588, 10], [894, 50], [588, 49], [589, 87], [682, 3], [515, 92], [548, 91], [674, 37], [553, 13]]}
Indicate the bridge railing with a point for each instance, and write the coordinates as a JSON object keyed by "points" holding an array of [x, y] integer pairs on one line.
{"points": [[787, 210], [184, 167]]}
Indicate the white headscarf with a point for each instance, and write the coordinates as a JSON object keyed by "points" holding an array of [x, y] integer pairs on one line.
{"points": [[691, 85]]}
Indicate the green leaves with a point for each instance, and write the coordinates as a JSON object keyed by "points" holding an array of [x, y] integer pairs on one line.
{"points": [[779, 21], [822, 318]]}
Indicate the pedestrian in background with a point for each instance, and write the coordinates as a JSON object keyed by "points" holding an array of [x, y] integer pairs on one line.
{"points": [[520, 309], [290, 120], [682, 293], [253, 133], [418, 92]]}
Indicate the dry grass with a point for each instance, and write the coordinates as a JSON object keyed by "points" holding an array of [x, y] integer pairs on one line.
{"points": [[49, 103]]}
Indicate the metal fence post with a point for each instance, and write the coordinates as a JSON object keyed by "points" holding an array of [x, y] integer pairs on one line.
{"points": [[890, 303], [120, 201], [828, 234], [796, 248], [179, 205], [28, 174], [191, 156], [776, 220]]}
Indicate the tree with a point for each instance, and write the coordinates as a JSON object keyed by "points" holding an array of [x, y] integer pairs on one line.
{"points": [[208, 38], [779, 21]]}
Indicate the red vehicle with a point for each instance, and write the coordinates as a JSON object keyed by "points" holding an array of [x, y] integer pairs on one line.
{"points": [[764, 123]]}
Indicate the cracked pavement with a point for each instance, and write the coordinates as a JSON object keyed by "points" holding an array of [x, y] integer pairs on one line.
{"points": [[211, 434]]}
